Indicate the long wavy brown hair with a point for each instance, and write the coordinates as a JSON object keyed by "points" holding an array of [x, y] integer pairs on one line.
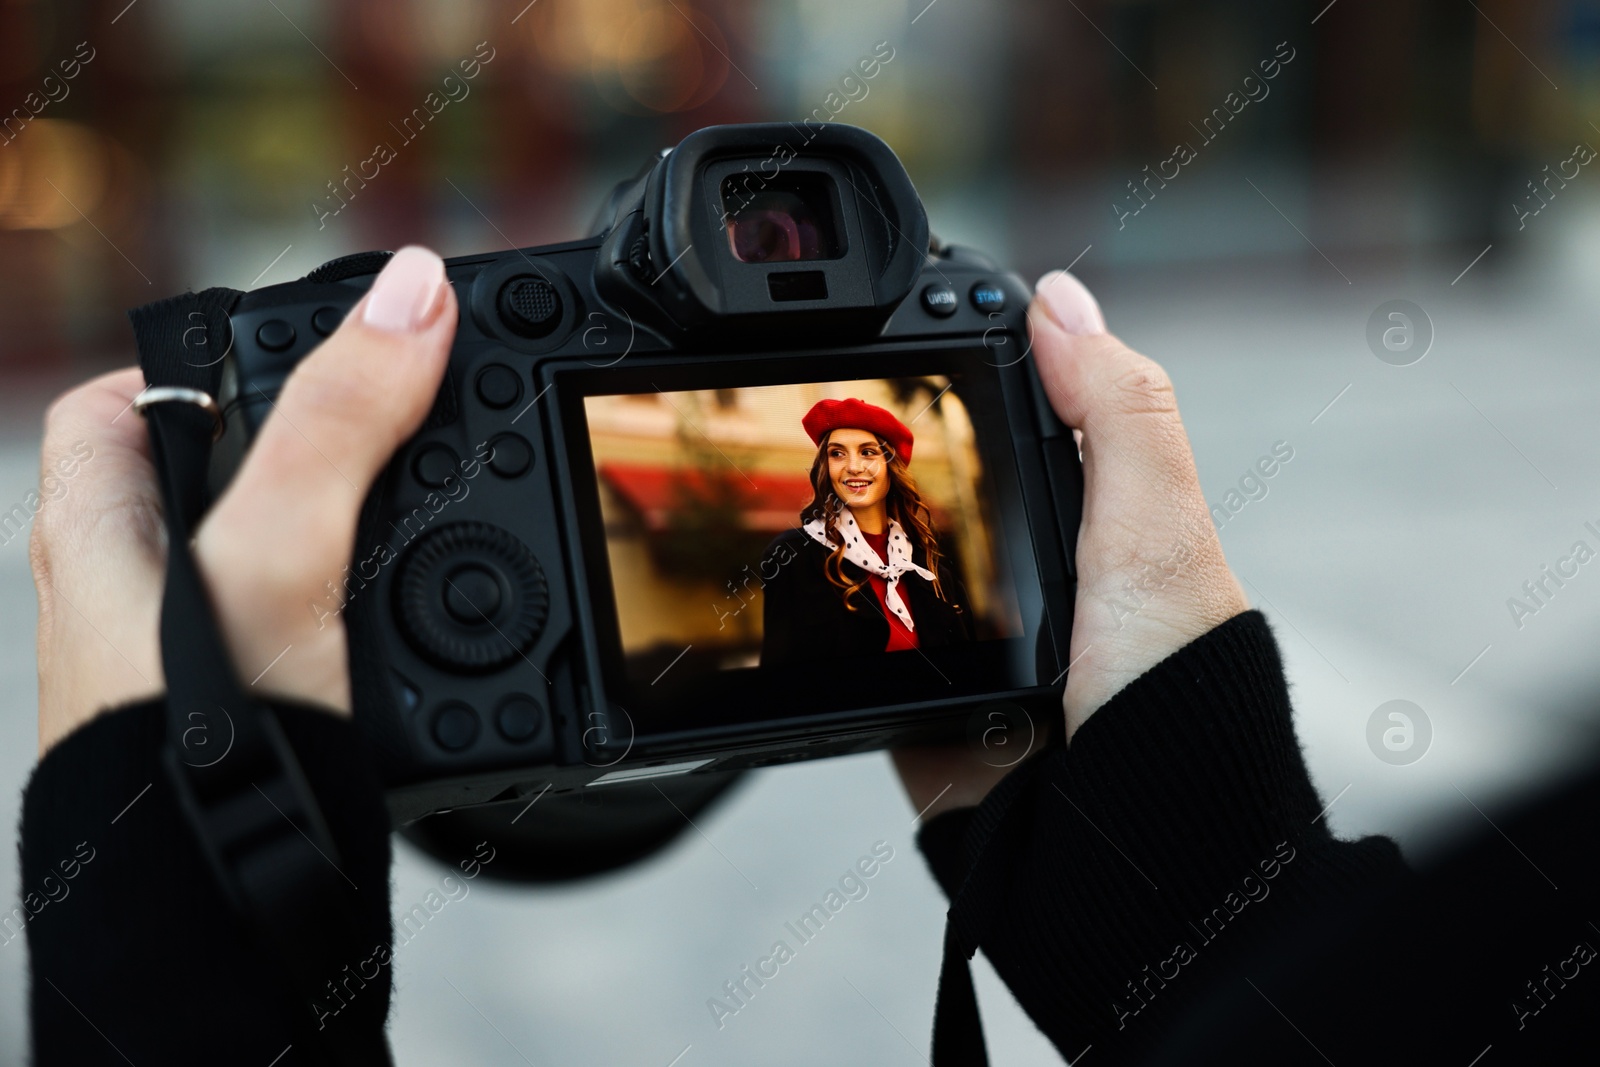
{"points": [[904, 504]]}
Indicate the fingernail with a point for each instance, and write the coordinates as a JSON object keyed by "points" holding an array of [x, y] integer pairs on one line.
{"points": [[406, 292], [1066, 300]]}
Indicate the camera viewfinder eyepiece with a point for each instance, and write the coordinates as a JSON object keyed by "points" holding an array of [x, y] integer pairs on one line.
{"points": [[707, 243]]}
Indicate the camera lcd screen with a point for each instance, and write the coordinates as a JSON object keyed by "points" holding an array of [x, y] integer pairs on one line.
{"points": [[775, 549]]}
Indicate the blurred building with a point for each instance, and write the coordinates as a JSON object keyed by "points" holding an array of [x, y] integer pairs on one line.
{"points": [[149, 147]]}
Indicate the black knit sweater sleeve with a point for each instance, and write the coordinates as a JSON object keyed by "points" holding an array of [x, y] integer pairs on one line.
{"points": [[1179, 828], [136, 956]]}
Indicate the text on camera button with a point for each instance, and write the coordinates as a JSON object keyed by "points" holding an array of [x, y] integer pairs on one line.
{"points": [[987, 296], [939, 300]]}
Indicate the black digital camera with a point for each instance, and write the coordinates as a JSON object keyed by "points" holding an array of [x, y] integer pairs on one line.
{"points": [[618, 551]]}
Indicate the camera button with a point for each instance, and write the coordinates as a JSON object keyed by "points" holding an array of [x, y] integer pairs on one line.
{"points": [[499, 386], [512, 455], [939, 300], [275, 335], [530, 306], [434, 466], [987, 296], [519, 718], [326, 320], [472, 595], [455, 727]]}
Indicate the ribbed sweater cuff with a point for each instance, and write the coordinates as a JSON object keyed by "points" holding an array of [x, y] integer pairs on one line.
{"points": [[116, 894], [1201, 747], [1179, 826]]}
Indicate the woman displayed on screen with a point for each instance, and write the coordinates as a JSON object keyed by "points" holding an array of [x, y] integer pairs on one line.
{"points": [[863, 573]]}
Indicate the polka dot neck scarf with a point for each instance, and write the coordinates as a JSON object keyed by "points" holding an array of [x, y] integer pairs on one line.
{"points": [[857, 551]]}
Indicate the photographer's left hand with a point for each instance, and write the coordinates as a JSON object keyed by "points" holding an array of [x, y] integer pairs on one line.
{"points": [[272, 544]]}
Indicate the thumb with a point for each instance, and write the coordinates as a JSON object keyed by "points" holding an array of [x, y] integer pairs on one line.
{"points": [[286, 525], [1100, 386], [1138, 468], [352, 401], [1151, 574]]}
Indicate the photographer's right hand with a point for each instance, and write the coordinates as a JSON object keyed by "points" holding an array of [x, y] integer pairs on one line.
{"points": [[269, 548], [1151, 575]]}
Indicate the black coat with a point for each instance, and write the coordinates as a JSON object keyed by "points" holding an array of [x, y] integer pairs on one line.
{"points": [[805, 618]]}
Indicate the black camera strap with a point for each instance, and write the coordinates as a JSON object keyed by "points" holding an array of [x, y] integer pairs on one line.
{"points": [[235, 776], [992, 833]]}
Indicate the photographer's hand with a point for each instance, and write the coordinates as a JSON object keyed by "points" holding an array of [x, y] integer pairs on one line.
{"points": [[1151, 575], [281, 532]]}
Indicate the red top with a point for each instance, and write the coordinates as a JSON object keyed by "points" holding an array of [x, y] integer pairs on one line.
{"points": [[900, 638]]}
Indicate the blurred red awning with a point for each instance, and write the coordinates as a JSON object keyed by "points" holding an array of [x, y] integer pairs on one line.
{"points": [[768, 502]]}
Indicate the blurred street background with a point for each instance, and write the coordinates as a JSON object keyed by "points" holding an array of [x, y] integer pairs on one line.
{"points": [[1249, 186]]}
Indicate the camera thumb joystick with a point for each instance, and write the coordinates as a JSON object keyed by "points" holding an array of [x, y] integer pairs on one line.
{"points": [[529, 306]]}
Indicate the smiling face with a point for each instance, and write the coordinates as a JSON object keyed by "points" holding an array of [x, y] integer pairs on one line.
{"points": [[858, 468]]}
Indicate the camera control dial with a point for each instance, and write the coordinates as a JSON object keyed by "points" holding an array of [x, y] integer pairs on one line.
{"points": [[471, 597]]}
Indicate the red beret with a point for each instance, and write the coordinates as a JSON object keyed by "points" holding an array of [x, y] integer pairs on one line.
{"points": [[828, 415]]}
